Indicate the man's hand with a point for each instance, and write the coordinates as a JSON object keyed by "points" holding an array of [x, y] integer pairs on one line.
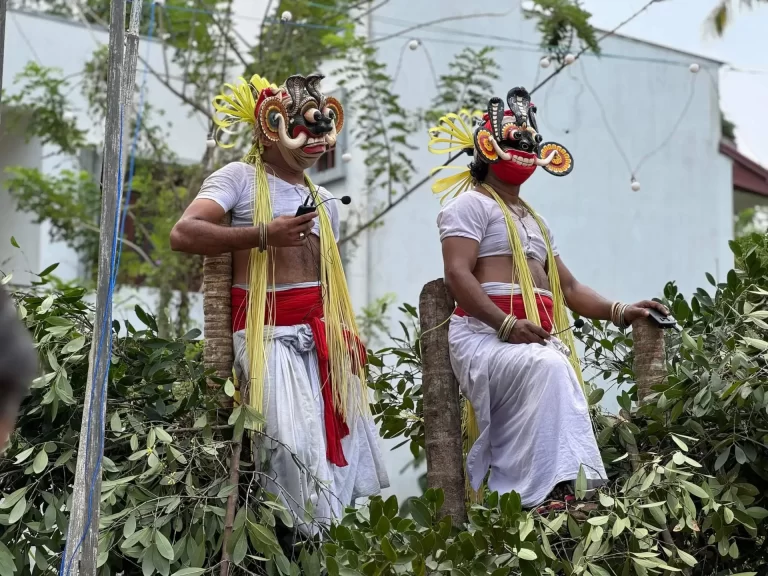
{"points": [[526, 332], [640, 310], [285, 231]]}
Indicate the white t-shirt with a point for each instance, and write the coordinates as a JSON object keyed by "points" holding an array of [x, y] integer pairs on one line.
{"points": [[232, 188], [474, 215]]}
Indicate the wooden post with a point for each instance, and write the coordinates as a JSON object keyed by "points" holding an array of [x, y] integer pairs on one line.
{"points": [[442, 413], [217, 312], [81, 553], [649, 362]]}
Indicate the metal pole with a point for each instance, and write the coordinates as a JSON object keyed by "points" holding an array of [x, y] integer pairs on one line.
{"points": [[81, 553], [3, 12]]}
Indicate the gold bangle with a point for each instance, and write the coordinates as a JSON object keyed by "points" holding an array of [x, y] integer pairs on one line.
{"points": [[506, 327]]}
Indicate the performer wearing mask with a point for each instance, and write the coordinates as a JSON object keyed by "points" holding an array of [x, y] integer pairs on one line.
{"points": [[18, 365], [295, 339], [510, 343]]}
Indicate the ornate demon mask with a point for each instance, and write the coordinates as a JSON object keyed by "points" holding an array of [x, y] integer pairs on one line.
{"points": [[508, 140], [296, 117]]}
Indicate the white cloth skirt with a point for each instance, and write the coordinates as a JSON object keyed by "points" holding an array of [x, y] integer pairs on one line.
{"points": [[535, 429], [298, 469]]}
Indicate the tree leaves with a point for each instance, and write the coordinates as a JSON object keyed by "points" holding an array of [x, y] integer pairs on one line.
{"points": [[163, 546], [41, 461]]}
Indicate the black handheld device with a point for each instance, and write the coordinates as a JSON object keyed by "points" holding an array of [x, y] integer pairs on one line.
{"points": [[660, 320], [309, 206]]}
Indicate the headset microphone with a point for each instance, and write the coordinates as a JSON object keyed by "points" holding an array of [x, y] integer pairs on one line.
{"points": [[308, 207]]}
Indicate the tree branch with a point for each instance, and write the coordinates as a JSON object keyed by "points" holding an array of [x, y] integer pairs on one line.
{"points": [[143, 255]]}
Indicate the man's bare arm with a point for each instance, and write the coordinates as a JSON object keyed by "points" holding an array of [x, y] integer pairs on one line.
{"points": [[198, 231], [459, 258], [589, 304]]}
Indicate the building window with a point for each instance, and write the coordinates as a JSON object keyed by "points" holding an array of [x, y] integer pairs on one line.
{"points": [[329, 167]]}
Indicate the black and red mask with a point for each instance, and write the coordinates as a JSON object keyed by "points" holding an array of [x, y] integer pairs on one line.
{"points": [[509, 141]]}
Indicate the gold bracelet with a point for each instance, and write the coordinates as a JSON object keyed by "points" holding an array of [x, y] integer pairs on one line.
{"points": [[506, 327]]}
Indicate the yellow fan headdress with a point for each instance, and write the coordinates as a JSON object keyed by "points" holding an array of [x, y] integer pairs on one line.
{"points": [[453, 133]]}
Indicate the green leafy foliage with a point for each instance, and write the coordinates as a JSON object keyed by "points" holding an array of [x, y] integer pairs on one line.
{"points": [[561, 23], [40, 104], [468, 83], [687, 468], [165, 468]]}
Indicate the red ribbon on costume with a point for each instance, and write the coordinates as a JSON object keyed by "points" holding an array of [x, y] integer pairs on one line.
{"points": [[305, 306], [544, 304]]}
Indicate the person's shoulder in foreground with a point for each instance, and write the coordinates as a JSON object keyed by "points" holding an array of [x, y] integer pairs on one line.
{"points": [[18, 364]]}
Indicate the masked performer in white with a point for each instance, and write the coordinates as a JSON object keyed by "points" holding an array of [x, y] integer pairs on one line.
{"points": [[523, 383], [296, 342]]}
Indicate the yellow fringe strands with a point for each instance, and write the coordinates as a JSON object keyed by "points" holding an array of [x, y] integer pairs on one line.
{"points": [[471, 433], [522, 274], [258, 268], [345, 358]]}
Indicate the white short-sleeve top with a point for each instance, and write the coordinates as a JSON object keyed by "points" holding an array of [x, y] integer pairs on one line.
{"points": [[474, 215], [232, 187]]}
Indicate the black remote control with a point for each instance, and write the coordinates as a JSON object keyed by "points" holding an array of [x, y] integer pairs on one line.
{"points": [[660, 320]]}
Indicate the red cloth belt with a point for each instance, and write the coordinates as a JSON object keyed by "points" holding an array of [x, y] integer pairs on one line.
{"points": [[305, 306], [543, 303]]}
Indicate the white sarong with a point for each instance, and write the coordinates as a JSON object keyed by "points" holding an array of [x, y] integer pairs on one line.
{"points": [[295, 432], [535, 429]]}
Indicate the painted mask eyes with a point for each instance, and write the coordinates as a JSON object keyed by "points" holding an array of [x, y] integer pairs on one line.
{"points": [[313, 115], [510, 132]]}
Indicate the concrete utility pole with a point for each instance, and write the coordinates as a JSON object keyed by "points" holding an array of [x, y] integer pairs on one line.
{"points": [[81, 553], [3, 12]]}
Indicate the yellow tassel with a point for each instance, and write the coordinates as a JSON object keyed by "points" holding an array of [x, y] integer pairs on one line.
{"points": [[522, 275], [471, 432], [455, 130], [452, 186], [255, 341], [561, 320], [345, 358]]}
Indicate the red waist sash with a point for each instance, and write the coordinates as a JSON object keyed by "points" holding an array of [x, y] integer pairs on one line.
{"points": [[304, 306], [543, 303]]}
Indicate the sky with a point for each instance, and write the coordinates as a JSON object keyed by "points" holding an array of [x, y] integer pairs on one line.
{"points": [[679, 24]]}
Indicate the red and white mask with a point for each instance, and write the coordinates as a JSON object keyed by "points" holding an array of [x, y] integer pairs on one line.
{"points": [[510, 143]]}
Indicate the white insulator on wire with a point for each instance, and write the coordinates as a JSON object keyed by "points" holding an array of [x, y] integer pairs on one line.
{"points": [[210, 143], [570, 59], [545, 62], [346, 157], [286, 16], [635, 185], [694, 68], [414, 44]]}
